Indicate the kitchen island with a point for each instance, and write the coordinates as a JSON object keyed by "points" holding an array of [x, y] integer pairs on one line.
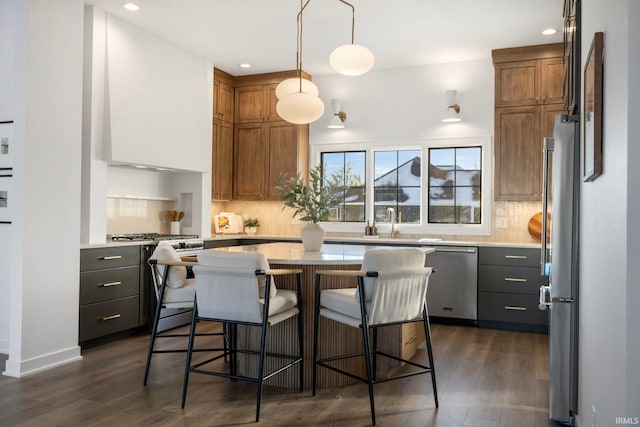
{"points": [[336, 337]]}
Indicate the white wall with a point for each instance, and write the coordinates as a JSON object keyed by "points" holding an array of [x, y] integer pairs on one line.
{"points": [[44, 284], [94, 164], [632, 392], [609, 296], [7, 112], [407, 102]]}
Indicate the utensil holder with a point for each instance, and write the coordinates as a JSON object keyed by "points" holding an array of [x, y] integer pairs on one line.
{"points": [[175, 227]]}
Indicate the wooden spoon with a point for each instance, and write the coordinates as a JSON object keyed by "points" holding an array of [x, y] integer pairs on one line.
{"points": [[180, 215]]}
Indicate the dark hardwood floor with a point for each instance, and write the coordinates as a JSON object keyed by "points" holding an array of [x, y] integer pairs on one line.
{"points": [[486, 378]]}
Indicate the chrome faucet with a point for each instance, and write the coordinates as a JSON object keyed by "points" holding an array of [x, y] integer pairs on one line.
{"points": [[391, 216]]}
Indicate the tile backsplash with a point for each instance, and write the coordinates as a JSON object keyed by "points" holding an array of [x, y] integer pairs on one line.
{"points": [[138, 215], [509, 220]]}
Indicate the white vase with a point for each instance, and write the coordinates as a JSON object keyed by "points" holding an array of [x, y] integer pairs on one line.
{"points": [[251, 230], [312, 237]]}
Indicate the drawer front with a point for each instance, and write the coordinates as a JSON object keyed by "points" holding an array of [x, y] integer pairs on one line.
{"points": [[515, 308], [108, 317], [519, 280], [516, 257], [117, 256], [103, 285]]}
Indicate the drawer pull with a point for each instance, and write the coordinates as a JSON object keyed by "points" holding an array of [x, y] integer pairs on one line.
{"points": [[515, 308], [514, 279], [447, 308], [106, 285], [515, 256], [112, 317], [110, 257], [411, 341]]}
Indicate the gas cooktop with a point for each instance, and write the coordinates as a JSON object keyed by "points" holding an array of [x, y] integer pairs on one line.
{"points": [[151, 236]]}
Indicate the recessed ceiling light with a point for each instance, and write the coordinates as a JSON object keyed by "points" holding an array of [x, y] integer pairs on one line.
{"points": [[549, 31], [245, 65], [131, 6]]}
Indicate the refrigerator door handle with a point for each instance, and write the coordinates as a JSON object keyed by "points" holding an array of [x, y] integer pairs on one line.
{"points": [[567, 300], [548, 148]]}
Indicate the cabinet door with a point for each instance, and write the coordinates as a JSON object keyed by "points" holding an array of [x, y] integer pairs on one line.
{"points": [[250, 153], [548, 116], [222, 162], [552, 78], [283, 154], [517, 83], [251, 104], [518, 153], [223, 97], [272, 113]]}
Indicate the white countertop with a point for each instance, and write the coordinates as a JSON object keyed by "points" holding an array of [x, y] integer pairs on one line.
{"points": [[294, 253], [334, 239]]}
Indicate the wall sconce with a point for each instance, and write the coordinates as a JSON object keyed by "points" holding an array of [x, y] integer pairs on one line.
{"points": [[453, 109], [337, 121]]}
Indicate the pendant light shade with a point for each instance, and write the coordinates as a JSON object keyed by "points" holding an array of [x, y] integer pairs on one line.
{"points": [[300, 108], [351, 59], [292, 85]]}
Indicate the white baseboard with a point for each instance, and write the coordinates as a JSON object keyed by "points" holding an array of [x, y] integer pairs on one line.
{"points": [[17, 368]]}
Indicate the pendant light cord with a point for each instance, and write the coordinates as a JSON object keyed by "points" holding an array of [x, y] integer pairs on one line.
{"points": [[299, 53], [353, 18]]}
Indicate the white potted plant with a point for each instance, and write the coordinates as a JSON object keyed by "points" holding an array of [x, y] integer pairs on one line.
{"points": [[251, 225], [312, 202]]}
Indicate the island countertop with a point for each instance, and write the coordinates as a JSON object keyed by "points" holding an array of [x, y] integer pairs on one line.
{"points": [[294, 253]]}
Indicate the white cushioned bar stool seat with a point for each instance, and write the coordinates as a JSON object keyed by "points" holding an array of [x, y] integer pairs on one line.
{"points": [[391, 289], [238, 289]]}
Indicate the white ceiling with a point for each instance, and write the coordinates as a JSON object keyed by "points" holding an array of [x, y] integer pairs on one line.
{"points": [[400, 33]]}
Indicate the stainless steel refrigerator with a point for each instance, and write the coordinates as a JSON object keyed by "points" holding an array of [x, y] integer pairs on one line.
{"points": [[561, 198]]}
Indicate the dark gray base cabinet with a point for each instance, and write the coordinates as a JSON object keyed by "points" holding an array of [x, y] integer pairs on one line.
{"points": [[509, 280], [105, 318], [109, 291]]}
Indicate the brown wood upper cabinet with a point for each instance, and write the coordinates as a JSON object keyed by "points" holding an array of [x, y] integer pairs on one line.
{"points": [[263, 151], [252, 145], [222, 160], [530, 75], [223, 98], [256, 104], [528, 94]]}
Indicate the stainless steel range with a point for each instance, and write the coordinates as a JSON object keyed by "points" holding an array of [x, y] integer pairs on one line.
{"points": [[184, 244]]}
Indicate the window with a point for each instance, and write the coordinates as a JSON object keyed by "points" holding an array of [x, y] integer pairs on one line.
{"points": [[455, 176], [438, 186], [350, 165], [396, 185]]}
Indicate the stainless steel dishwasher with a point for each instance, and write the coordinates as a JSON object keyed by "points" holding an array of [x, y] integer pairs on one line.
{"points": [[453, 288]]}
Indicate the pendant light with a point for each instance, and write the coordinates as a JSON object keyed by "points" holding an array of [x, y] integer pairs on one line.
{"points": [[351, 59], [298, 100]]}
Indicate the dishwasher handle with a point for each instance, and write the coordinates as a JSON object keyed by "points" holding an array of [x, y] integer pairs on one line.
{"points": [[458, 250]]}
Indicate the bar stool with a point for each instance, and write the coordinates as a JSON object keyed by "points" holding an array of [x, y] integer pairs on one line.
{"points": [[172, 291], [391, 290], [238, 289]]}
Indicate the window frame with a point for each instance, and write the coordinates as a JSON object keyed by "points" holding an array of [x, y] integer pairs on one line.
{"points": [[422, 144]]}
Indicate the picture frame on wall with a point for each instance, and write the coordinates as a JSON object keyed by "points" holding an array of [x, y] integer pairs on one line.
{"points": [[6, 179], [6, 144], [592, 109]]}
